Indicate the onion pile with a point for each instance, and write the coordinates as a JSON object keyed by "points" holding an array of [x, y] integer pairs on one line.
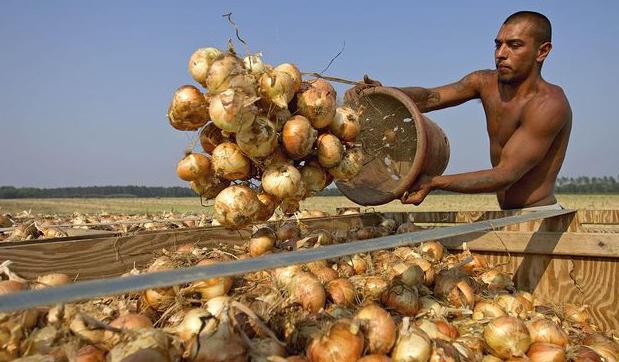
{"points": [[254, 116]]}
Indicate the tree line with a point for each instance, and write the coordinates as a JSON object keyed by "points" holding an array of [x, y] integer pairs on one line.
{"points": [[565, 185]]}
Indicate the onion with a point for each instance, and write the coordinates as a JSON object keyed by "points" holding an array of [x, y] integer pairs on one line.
{"points": [[507, 337], [378, 328], [293, 72], [316, 101], [298, 137], [5, 221], [438, 329], [221, 72], [52, 280], [485, 309], [367, 232], [325, 274], [210, 137], [432, 250], [412, 344], [582, 354], [127, 321], [213, 287], [547, 331], [341, 291], [236, 206], [277, 87], [605, 347], [342, 343], [330, 150], [200, 62], [231, 110], [314, 177], [288, 231], [79, 328], [576, 313], [431, 307], [546, 352], [389, 225], [496, 279], [269, 204], [403, 299], [254, 64], [230, 163], [427, 268], [407, 227], [90, 353], [372, 287], [307, 290], [147, 344], [263, 349], [454, 288], [258, 138], [193, 166], [209, 187], [346, 124], [410, 275], [191, 325], [444, 352], [512, 305], [478, 263], [375, 358], [351, 165], [281, 180], [189, 109], [280, 116], [283, 276], [262, 241]]}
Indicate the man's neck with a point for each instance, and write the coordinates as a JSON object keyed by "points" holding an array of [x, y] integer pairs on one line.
{"points": [[521, 89]]}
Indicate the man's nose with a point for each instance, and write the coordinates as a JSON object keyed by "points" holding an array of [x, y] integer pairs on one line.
{"points": [[501, 52]]}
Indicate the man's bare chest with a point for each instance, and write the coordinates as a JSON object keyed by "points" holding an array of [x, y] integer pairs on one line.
{"points": [[502, 120]]}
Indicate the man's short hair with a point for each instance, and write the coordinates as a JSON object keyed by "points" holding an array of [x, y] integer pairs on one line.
{"points": [[542, 27]]}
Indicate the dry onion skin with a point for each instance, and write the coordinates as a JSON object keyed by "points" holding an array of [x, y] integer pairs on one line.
{"points": [[546, 352], [546, 331], [208, 187], [604, 346], [231, 110], [342, 343], [254, 64], [269, 204], [200, 62], [236, 206], [314, 177], [330, 150], [262, 241], [213, 287], [341, 291], [258, 138], [189, 109], [298, 137], [378, 328], [221, 72], [230, 163], [308, 291], [507, 337], [277, 87], [346, 124], [193, 166], [350, 166], [293, 72], [316, 101], [412, 344], [281, 180], [210, 137]]}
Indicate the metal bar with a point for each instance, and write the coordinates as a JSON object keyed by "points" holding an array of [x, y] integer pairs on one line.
{"points": [[123, 285]]}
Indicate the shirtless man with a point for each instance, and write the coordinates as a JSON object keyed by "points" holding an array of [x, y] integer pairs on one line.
{"points": [[528, 120]]}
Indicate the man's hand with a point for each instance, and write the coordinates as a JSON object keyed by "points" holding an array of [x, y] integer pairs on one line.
{"points": [[352, 95], [418, 191]]}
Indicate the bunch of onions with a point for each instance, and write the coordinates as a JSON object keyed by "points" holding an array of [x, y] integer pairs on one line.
{"points": [[330, 150], [209, 187], [210, 137], [258, 138], [307, 290], [269, 204], [277, 87], [281, 180], [262, 241], [293, 72], [236, 206], [341, 291], [193, 166], [342, 343], [412, 344], [200, 62], [221, 72], [254, 64], [546, 331], [189, 109], [213, 287], [378, 328], [316, 101], [314, 177], [350, 166], [346, 124], [231, 110], [402, 299], [230, 163], [298, 137], [507, 337]]}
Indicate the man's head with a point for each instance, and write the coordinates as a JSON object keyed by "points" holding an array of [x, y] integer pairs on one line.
{"points": [[522, 44]]}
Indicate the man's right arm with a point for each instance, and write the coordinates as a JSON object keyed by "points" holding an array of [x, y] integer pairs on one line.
{"points": [[432, 99]]}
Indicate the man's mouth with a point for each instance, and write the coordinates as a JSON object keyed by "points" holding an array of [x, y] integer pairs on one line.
{"points": [[502, 67]]}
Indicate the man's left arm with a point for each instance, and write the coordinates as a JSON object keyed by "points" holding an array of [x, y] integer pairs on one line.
{"points": [[524, 150]]}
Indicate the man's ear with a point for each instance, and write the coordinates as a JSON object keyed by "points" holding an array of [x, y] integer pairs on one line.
{"points": [[543, 51]]}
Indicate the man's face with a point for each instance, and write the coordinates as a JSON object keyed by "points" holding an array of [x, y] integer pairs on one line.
{"points": [[516, 51]]}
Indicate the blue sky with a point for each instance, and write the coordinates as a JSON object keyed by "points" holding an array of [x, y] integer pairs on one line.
{"points": [[84, 86]]}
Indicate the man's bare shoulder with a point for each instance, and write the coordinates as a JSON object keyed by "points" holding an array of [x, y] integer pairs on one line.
{"points": [[549, 106]]}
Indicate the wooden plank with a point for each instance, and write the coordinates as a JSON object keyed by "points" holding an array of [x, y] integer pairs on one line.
{"points": [[600, 217], [104, 257], [559, 280], [546, 243]]}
